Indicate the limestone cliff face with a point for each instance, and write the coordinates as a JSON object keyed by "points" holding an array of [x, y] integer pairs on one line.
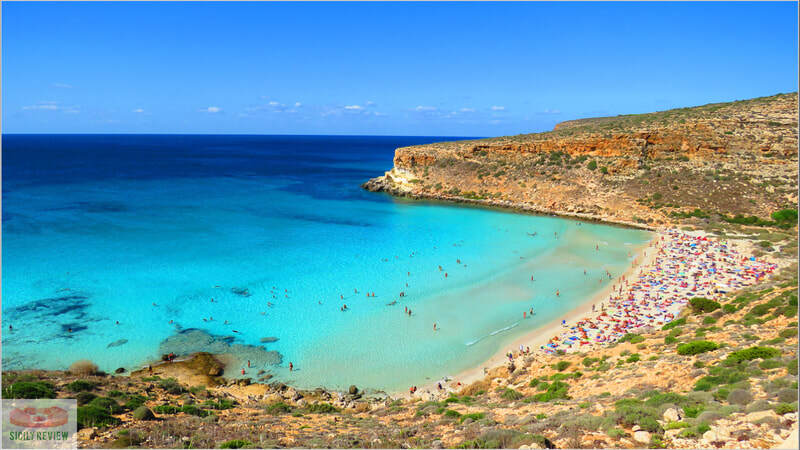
{"points": [[648, 169]]}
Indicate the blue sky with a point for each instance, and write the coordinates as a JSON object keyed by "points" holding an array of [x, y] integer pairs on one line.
{"points": [[463, 69]]}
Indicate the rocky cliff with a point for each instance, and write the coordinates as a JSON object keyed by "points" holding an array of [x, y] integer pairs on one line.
{"points": [[727, 159]]}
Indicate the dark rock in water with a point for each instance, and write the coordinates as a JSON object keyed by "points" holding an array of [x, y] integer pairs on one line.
{"points": [[215, 371], [244, 292], [193, 340], [267, 340], [353, 389], [261, 372], [265, 378], [120, 370], [117, 343]]}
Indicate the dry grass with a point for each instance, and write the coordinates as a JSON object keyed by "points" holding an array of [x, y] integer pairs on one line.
{"points": [[83, 367]]}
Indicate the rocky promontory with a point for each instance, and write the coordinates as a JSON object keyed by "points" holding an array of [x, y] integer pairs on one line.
{"points": [[725, 159]]}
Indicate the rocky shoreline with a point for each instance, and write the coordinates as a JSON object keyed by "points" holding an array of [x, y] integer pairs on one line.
{"points": [[383, 184]]}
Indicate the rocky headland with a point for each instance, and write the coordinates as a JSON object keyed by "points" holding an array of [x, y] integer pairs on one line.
{"points": [[646, 170]]}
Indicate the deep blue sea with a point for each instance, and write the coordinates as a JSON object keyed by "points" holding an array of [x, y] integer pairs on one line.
{"points": [[117, 248]]}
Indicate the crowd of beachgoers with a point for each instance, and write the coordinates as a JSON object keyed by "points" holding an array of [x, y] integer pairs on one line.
{"points": [[683, 267]]}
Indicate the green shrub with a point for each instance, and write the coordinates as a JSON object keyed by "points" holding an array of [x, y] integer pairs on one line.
{"points": [[108, 404], [84, 398], [674, 323], [589, 361], [592, 165], [635, 412], [194, 411], [785, 216], [453, 414], [80, 386], [556, 390], [769, 364], [791, 367], [729, 308], [29, 389], [143, 413], [669, 340], [632, 338], [692, 411], [473, 416], [562, 365], [321, 408], [225, 403], [751, 353], [633, 358], [703, 305], [236, 443], [166, 409], [676, 425], [788, 333], [92, 416], [708, 320], [511, 394], [697, 347], [172, 386], [785, 408], [135, 401]]}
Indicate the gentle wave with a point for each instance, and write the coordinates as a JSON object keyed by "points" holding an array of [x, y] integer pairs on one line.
{"points": [[493, 333]]}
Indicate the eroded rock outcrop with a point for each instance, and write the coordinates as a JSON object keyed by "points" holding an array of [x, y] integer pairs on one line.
{"points": [[648, 169]]}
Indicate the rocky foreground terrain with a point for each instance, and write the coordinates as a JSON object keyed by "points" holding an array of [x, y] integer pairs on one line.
{"points": [[723, 375], [724, 159]]}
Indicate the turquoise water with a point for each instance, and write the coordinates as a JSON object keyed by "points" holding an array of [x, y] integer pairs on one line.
{"points": [[147, 230]]}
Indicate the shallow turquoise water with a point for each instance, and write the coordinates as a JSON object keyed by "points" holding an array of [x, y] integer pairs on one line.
{"points": [[84, 251]]}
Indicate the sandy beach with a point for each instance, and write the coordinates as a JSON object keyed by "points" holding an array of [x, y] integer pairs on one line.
{"points": [[655, 289], [537, 337]]}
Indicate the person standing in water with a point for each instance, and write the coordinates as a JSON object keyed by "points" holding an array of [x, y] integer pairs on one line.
{"points": [[291, 366]]}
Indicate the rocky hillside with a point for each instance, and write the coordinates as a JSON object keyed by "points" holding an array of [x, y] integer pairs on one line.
{"points": [[713, 161]]}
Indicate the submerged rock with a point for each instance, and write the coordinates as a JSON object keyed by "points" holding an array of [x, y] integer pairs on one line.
{"points": [[267, 340], [117, 343]]}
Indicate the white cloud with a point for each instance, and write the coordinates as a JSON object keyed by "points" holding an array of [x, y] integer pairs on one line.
{"points": [[354, 107], [425, 108], [42, 106], [62, 85], [551, 111], [297, 104], [212, 109], [138, 110], [52, 106], [274, 103], [467, 110], [498, 108]]}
